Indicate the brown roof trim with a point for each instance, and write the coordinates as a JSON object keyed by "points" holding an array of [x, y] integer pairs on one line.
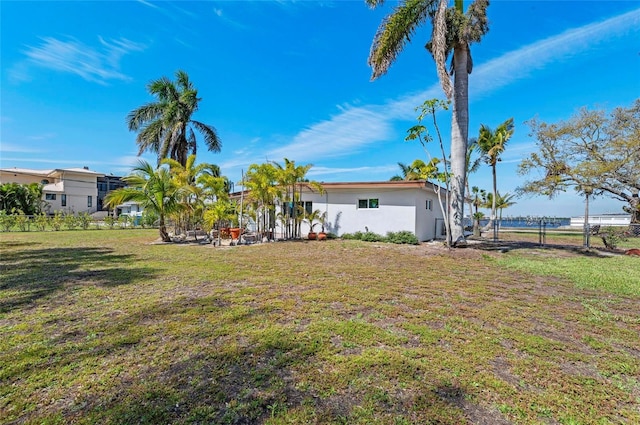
{"points": [[400, 184]]}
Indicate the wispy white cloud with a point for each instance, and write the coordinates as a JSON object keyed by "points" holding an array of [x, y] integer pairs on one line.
{"points": [[330, 171], [148, 4], [98, 64], [12, 148], [355, 128], [45, 136], [227, 20], [344, 133]]}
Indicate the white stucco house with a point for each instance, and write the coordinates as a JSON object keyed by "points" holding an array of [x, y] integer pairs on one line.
{"points": [[379, 207], [70, 190]]}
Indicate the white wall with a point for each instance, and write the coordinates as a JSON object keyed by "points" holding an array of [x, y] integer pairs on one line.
{"points": [[399, 209], [78, 187]]}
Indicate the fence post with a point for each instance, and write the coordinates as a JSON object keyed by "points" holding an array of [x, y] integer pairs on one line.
{"points": [[586, 237], [542, 232]]}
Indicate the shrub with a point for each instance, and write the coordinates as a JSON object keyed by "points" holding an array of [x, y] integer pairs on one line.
{"points": [[612, 236], [149, 218], [372, 237], [109, 221], [84, 220], [402, 237], [70, 221], [22, 221], [41, 220], [124, 220], [57, 220], [6, 221]]}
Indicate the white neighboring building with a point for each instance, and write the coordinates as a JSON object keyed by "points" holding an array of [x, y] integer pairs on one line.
{"points": [[378, 207], [70, 190], [130, 208], [602, 220]]}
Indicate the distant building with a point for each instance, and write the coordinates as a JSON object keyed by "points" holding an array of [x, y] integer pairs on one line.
{"points": [[106, 184], [70, 190], [603, 220]]}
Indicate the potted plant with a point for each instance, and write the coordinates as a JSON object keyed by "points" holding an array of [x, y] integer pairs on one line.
{"points": [[221, 211], [314, 218], [322, 235], [235, 223]]}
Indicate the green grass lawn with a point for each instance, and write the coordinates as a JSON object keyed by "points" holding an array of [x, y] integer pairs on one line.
{"points": [[108, 327]]}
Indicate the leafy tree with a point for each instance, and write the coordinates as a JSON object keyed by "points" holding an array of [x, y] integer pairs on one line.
{"points": [[592, 150], [165, 126], [453, 31], [492, 144], [25, 198], [154, 189], [431, 170], [417, 170]]}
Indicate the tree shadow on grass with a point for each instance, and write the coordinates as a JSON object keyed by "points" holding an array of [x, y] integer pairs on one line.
{"points": [[511, 245], [28, 275]]}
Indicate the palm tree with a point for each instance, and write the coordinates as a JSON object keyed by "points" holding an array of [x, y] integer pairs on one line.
{"points": [[288, 177], [154, 189], [260, 181], [165, 126], [478, 196], [417, 170], [404, 170], [190, 178], [473, 164], [503, 202], [492, 144], [453, 32]]}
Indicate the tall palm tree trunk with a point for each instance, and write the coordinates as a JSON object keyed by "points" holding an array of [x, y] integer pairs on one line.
{"points": [[459, 136]]}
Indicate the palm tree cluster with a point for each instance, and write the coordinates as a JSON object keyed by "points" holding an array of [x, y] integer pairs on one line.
{"points": [[185, 194], [270, 184]]}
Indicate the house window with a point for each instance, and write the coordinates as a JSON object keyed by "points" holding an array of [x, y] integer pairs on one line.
{"points": [[368, 203], [89, 201], [307, 206], [429, 204], [50, 197], [63, 200]]}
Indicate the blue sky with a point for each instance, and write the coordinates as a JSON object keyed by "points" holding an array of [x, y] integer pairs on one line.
{"points": [[290, 79]]}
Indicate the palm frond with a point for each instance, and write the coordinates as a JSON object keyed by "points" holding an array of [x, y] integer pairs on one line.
{"points": [[395, 31], [210, 135], [440, 47]]}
